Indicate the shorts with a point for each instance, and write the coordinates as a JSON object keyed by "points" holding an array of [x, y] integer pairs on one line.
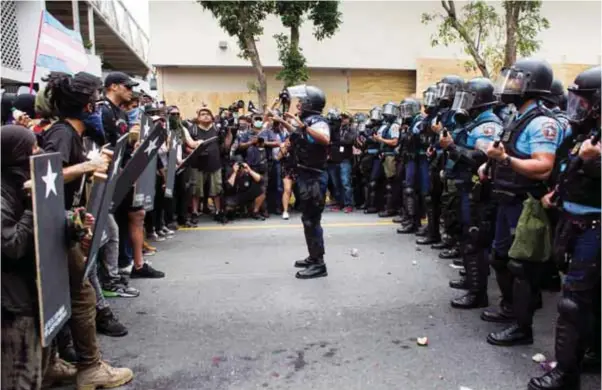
{"points": [[198, 179], [126, 204], [289, 172]]}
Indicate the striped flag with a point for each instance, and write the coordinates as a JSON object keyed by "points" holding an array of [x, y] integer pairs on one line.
{"points": [[60, 49]]}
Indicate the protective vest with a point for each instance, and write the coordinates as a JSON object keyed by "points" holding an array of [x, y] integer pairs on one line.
{"points": [[372, 147], [459, 169], [426, 135], [506, 180], [386, 134], [576, 184], [311, 155]]}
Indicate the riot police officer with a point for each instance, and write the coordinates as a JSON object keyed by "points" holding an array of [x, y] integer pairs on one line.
{"points": [[370, 163], [310, 142], [417, 164], [444, 120], [521, 165], [388, 137], [465, 149], [578, 239], [410, 115]]}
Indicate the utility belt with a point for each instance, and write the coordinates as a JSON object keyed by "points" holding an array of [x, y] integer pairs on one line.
{"points": [[587, 221], [569, 228]]}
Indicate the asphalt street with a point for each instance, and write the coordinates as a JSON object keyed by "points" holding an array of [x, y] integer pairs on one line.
{"points": [[231, 315]]}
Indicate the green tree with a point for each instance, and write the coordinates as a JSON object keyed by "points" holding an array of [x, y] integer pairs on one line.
{"points": [[491, 39], [243, 20], [326, 19]]}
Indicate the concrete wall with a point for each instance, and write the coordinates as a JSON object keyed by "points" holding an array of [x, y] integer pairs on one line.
{"points": [[373, 35]]}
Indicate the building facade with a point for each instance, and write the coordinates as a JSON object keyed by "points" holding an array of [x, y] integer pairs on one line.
{"points": [[381, 52]]}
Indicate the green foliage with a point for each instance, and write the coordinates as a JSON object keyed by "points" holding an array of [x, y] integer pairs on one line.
{"points": [[326, 19], [240, 19], [294, 69], [481, 30]]}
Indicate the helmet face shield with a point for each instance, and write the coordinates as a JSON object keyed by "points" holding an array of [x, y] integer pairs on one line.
{"points": [[510, 82], [463, 101], [445, 91], [391, 109], [298, 91], [429, 99], [578, 108], [376, 114], [408, 110]]}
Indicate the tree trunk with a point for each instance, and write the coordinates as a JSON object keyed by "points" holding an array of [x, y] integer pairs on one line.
{"points": [[295, 37], [512, 14], [262, 91]]}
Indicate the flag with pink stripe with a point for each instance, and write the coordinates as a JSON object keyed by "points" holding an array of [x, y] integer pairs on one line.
{"points": [[59, 48]]}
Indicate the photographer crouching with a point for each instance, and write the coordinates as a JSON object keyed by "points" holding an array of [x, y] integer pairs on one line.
{"points": [[243, 188]]}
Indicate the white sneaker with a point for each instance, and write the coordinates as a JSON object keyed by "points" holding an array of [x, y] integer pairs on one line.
{"points": [[126, 270], [285, 215]]}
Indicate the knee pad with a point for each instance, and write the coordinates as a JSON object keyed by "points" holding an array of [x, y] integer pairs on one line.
{"points": [[372, 185], [568, 309], [388, 187], [408, 191], [518, 269], [498, 263]]}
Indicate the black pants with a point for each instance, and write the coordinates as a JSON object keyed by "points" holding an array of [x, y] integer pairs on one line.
{"points": [[154, 219], [312, 193]]}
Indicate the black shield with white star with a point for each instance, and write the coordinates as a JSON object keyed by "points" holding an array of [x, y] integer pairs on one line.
{"points": [[100, 202], [195, 153], [171, 166], [144, 188], [50, 242], [141, 158]]}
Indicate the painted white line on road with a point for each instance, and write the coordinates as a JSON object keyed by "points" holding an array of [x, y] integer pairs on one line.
{"points": [[287, 226]]}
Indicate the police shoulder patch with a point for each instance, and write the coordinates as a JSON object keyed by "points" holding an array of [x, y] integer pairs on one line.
{"points": [[488, 130], [549, 130]]}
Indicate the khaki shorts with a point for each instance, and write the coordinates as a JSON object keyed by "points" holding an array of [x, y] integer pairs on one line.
{"points": [[198, 179]]}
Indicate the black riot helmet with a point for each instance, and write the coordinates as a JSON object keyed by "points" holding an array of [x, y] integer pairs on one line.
{"points": [[312, 99], [390, 110], [359, 117], [447, 88], [475, 97], [333, 115], [527, 78], [557, 95], [583, 103], [409, 108], [429, 97]]}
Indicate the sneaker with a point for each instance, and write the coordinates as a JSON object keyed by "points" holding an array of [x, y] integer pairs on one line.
{"points": [[119, 291], [126, 270], [348, 209], [104, 376], [148, 252], [168, 232], [146, 245], [59, 372], [146, 271], [258, 216], [173, 226], [194, 219], [108, 324], [155, 237], [335, 208], [285, 215]]}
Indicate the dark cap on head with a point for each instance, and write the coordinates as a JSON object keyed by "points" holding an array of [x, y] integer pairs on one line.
{"points": [[119, 78]]}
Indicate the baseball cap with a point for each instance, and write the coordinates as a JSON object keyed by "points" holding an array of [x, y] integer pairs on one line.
{"points": [[119, 78]]}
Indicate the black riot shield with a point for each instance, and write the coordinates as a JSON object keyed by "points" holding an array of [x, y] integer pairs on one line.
{"points": [[195, 153], [140, 160], [171, 166], [50, 243], [99, 202]]}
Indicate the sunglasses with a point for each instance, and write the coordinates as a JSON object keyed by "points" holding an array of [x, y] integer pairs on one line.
{"points": [[174, 114]]}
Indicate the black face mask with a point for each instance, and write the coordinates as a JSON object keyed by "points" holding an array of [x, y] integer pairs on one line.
{"points": [[174, 122], [513, 99]]}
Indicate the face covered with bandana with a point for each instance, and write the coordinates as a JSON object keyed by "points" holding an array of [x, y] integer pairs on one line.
{"points": [[18, 144]]}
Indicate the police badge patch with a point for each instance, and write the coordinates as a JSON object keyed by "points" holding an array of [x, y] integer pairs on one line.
{"points": [[550, 130], [488, 130]]}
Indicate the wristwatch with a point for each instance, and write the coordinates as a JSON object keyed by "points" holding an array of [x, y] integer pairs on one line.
{"points": [[505, 162]]}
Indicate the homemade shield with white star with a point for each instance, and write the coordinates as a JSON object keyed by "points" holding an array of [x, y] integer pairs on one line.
{"points": [[144, 189], [48, 199], [171, 166], [195, 153], [99, 202], [141, 158]]}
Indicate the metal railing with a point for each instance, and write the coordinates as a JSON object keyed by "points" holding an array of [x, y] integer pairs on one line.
{"points": [[117, 16]]}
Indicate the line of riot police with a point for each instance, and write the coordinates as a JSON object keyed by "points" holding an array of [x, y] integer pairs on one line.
{"points": [[507, 174]]}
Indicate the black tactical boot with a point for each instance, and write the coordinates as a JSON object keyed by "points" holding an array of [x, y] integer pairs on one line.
{"points": [[591, 360], [503, 315], [408, 228], [433, 235], [513, 335], [444, 244], [389, 210], [422, 231], [566, 374], [459, 284], [305, 262], [108, 324], [449, 254], [475, 281], [462, 272], [315, 270]]}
